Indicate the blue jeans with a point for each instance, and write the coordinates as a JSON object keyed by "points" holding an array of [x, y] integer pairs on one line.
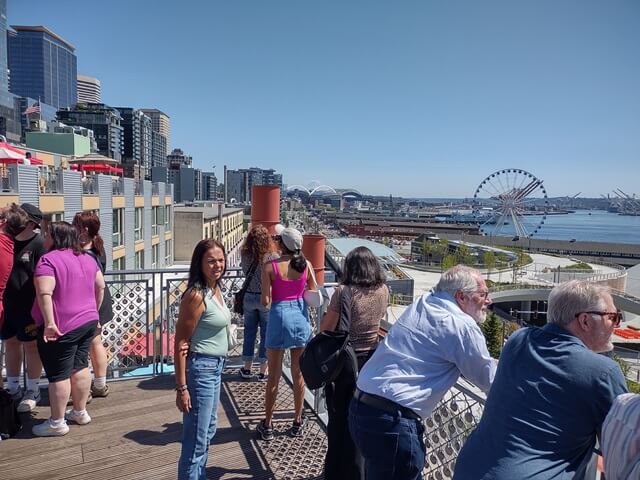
{"points": [[204, 374], [392, 446], [255, 315]]}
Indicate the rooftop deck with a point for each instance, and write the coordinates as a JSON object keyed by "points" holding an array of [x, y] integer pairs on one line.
{"points": [[136, 430]]}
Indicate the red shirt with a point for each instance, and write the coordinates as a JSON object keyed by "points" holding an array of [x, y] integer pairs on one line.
{"points": [[6, 265]]}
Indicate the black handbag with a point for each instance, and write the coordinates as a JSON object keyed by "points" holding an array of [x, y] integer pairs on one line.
{"points": [[238, 298], [325, 355], [10, 422]]}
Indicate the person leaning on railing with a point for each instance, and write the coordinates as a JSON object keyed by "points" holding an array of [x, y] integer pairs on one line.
{"points": [[434, 341], [551, 393], [364, 277], [203, 325]]}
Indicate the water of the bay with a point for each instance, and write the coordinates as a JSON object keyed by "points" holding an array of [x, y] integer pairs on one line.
{"points": [[585, 225]]}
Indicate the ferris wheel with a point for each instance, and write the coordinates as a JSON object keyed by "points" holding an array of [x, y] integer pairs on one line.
{"points": [[510, 202]]}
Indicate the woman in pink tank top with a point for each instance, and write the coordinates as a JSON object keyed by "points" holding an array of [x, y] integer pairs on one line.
{"points": [[283, 284]]}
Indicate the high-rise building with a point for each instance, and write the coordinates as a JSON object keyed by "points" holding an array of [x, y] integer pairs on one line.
{"points": [[161, 130], [239, 183], [42, 65], [136, 158], [88, 89], [177, 158], [160, 121], [209, 186], [187, 181], [4, 77], [146, 145], [105, 122]]}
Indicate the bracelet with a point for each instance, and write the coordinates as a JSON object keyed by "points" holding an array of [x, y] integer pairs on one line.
{"points": [[181, 388]]}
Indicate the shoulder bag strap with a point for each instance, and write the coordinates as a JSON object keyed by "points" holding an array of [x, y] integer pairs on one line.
{"points": [[344, 322], [247, 279]]}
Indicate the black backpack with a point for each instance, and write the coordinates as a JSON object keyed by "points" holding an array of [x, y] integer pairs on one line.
{"points": [[10, 422], [325, 355]]}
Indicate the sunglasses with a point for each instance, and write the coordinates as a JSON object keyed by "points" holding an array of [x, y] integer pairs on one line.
{"points": [[614, 317]]}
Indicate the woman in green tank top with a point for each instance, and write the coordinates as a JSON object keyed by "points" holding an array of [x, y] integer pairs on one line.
{"points": [[203, 323]]}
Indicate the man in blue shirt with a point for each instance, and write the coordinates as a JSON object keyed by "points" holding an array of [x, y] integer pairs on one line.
{"points": [[551, 393], [424, 353]]}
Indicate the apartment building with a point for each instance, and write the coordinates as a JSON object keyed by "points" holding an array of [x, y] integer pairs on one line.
{"points": [[194, 223], [136, 216]]}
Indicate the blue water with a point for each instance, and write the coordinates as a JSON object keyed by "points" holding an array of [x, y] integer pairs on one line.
{"points": [[586, 225]]}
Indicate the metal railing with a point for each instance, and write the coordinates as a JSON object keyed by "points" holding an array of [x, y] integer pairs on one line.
{"points": [[139, 341], [48, 181], [117, 186], [89, 185], [7, 180]]}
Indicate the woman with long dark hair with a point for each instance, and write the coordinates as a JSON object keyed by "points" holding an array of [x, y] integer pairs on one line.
{"points": [[256, 250], [69, 290], [203, 324], [283, 284], [364, 277], [88, 225]]}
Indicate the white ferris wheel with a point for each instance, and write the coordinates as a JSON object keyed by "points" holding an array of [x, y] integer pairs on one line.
{"points": [[510, 202]]}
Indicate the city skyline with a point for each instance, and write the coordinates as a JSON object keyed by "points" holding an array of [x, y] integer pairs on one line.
{"points": [[416, 100]]}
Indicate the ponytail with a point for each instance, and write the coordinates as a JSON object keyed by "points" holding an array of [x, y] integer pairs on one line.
{"points": [[298, 262], [98, 244]]}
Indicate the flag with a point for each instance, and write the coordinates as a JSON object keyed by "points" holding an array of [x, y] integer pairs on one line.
{"points": [[35, 108]]}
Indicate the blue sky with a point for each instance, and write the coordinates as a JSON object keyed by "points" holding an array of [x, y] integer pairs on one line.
{"points": [[414, 97]]}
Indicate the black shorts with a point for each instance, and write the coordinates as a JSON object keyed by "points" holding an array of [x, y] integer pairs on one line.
{"points": [[70, 352], [21, 326]]}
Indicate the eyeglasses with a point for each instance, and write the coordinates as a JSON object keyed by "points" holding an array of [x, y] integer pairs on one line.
{"points": [[483, 293], [614, 317]]}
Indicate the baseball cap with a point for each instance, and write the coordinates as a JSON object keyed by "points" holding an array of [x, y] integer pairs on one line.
{"points": [[291, 238], [33, 212]]}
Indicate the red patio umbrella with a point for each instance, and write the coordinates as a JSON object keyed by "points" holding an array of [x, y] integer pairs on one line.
{"points": [[11, 161], [96, 168]]}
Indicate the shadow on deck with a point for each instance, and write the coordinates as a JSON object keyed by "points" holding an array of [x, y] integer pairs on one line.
{"points": [[135, 435]]}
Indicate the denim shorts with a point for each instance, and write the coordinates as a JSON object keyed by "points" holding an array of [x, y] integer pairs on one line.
{"points": [[288, 325]]}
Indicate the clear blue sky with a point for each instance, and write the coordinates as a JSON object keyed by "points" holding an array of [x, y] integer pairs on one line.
{"points": [[415, 98]]}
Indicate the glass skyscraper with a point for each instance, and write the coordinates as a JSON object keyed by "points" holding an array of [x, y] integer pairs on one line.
{"points": [[42, 65]]}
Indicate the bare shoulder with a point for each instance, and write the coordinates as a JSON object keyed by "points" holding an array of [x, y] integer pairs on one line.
{"points": [[192, 298]]}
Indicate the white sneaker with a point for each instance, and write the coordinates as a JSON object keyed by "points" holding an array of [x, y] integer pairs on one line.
{"points": [[80, 419], [45, 429], [29, 401]]}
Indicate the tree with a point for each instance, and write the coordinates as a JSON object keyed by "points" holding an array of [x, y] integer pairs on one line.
{"points": [[427, 250], [448, 262], [440, 249], [489, 260], [463, 254], [492, 330]]}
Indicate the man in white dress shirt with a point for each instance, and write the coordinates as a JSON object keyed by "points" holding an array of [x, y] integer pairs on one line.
{"points": [[434, 341]]}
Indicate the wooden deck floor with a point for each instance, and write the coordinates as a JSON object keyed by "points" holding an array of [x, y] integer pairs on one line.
{"points": [[135, 435]]}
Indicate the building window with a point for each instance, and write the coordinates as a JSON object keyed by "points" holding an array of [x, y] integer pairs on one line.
{"points": [[138, 225], [118, 265], [139, 260], [157, 219], [167, 218], [154, 256], [118, 227], [168, 250]]}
